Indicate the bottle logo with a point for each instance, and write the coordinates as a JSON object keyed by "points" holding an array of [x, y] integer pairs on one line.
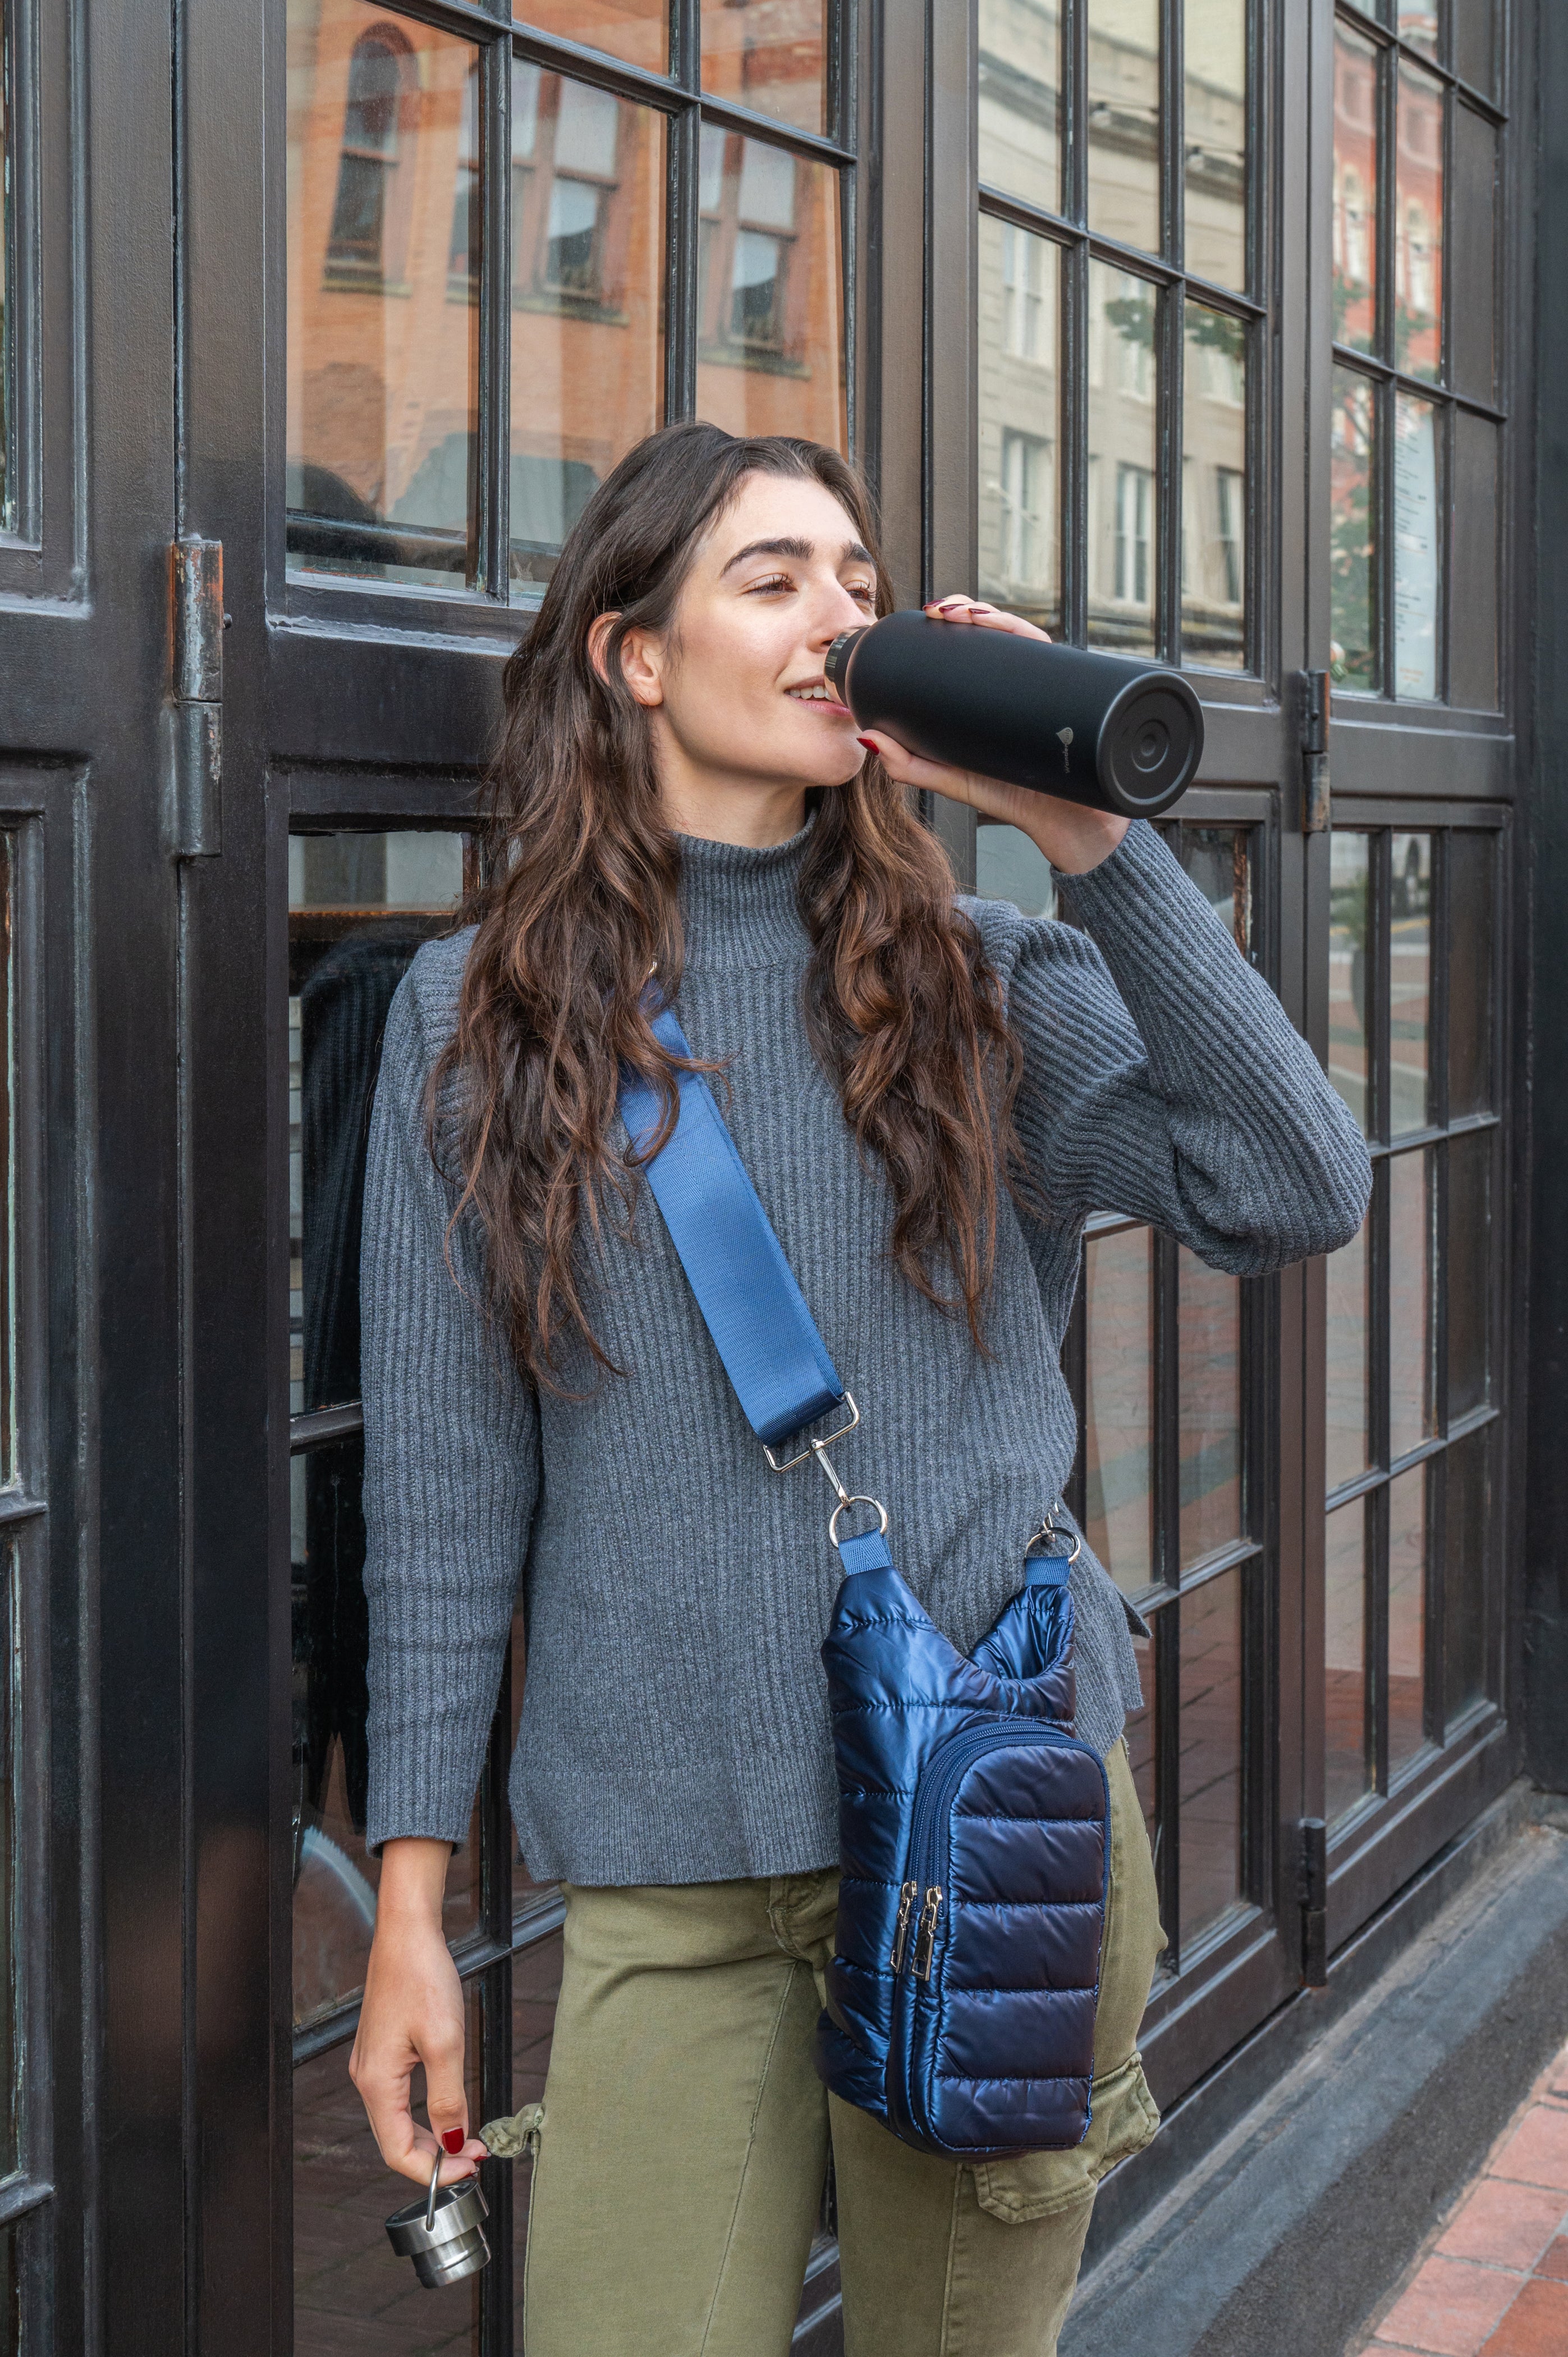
{"points": [[1064, 738]]}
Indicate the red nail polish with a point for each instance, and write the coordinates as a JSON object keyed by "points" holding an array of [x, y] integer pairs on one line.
{"points": [[870, 744], [453, 2139]]}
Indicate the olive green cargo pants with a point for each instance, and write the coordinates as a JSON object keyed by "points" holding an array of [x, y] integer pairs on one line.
{"points": [[685, 2133]]}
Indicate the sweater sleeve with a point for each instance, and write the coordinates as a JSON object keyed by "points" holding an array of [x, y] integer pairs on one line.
{"points": [[451, 1470], [1165, 1080]]}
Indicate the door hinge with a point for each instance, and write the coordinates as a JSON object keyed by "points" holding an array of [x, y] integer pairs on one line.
{"points": [[194, 767], [1312, 1888], [1314, 691]]}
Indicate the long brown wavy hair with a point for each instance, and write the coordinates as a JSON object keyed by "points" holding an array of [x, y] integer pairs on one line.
{"points": [[583, 902]]}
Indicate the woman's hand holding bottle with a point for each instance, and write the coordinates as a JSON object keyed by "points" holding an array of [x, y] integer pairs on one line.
{"points": [[1073, 837], [413, 2014]]}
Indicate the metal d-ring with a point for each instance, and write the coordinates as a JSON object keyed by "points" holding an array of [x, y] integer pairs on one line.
{"points": [[430, 2197], [1051, 1528], [842, 1507]]}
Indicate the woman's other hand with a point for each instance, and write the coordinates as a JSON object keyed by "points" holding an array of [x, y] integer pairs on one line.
{"points": [[411, 2014], [1073, 839]]}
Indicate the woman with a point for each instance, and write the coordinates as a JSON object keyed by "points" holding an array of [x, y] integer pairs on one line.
{"points": [[930, 1094]]}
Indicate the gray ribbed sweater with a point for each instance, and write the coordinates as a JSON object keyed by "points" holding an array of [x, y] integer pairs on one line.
{"points": [[674, 1720]]}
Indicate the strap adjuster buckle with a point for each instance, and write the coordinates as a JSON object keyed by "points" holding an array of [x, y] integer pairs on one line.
{"points": [[815, 1447]]}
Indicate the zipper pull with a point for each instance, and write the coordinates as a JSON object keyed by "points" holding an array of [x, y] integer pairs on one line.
{"points": [[901, 1929], [926, 1941]]}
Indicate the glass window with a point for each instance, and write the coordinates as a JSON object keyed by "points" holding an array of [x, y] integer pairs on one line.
{"points": [[1349, 1359], [1466, 1554], [1472, 963], [1123, 425], [1210, 1783], [1214, 491], [637, 30], [1020, 422], [1349, 898], [1208, 1392], [1214, 153], [1118, 1405], [382, 298], [1417, 21], [1010, 866], [587, 346], [1474, 41], [1021, 100], [1348, 1766], [770, 55], [1418, 547], [1469, 1257], [770, 294], [1418, 227], [1407, 1617], [1410, 1302], [1409, 981], [1355, 660], [1356, 242], [1473, 649], [1472, 328], [1124, 116], [359, 907], [10, 1895]]}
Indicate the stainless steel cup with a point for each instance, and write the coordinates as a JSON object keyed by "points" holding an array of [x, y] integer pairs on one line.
{"points": [[443, 2233]]}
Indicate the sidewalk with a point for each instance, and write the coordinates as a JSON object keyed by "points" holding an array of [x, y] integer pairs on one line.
{"points": [[1493, 2280]]}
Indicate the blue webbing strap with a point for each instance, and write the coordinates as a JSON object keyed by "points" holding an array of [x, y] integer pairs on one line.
{"points": [[744, 1288]]}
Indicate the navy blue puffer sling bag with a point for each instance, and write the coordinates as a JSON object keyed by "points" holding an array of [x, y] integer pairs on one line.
{"points": [[974, 1829]]}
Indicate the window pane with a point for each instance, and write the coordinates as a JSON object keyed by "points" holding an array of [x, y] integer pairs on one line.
{"points": [[1407, 1616], [350, 2292], [1347, 1770], [587, 347], [1118, 1409], [770, 55], [535, 1986], [1123, 520], [1215, 155], [1418, 225], [1355, 190], [1474, 262], [1214, 491], [634, 29], [1349, 901], [1469, 1266], [770, 292], [1208, 1343], [1125, 121], [1418, 547], [1354, 660], [1144, 1741], [1217, 859], [1008, 866], [1472, 960], [360, 905], [1409, 981], [1409, 1301], [1211, 1819], [383, 278], [1020, 422], [1467, 1553], [335, 1877], [1418, 24], [1473, 654], [1473, 41], [1348, 1342], [1020, 99]]}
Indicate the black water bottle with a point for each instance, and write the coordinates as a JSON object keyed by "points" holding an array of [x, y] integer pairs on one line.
{"points": [[1105, 730]]}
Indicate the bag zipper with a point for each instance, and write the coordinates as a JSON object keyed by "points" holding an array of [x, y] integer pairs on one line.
{"points": [[934, 1795]]}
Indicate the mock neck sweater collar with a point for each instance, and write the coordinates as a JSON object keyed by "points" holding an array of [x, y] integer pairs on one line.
{"points": [[739, 905]]}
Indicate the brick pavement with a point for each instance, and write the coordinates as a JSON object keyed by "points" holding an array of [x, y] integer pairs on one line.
{"points": [[1493, 2280]]}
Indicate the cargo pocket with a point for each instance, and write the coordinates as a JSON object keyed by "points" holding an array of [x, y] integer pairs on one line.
{"points": [[1122, 2120]]}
